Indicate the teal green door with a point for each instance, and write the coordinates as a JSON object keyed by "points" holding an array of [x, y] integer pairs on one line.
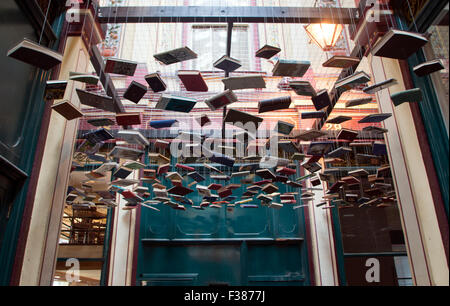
{"points": [[246, 246]]}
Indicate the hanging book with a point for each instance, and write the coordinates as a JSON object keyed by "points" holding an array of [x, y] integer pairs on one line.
{"points": [[98, 136], [399, 44], [244, 82], [234, 116], [374, 129], [340, 61], [67, 110], [379, 86], [302, 88], [346, 134], [54, 90], [311, 167], [127, 153], [133, 137], [159, 124], [192, 80], [227, 64], [83, 78], [128, 118], [379, 148], [175, 56], [222, 159], [94, 100], [352, 81], [428, 67], [339, 119], [284, 127], [155, 82], [339, 152], [274, 104], [101, 122], [313, 115], [179, 190], [203, 120], [220, 100], [267, 51], [290, 68], [319, 148], [410, 95], [120, 66], [372, 118], [34, 54], [309, 135], [321, 100], [135, 92], [357, 102], [176, 104], [288, 146]]}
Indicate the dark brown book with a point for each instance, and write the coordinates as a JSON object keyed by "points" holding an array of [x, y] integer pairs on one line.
{"points": [[269, 188], [34, 54], [234, 117], [135, 92], [340, 61], [128, 118], [274, 104], [120, 66], [203, 120], [267, 51], [290, 68], [155, 82], [428, 67], [101, 122], [313, 115], [55, 90], [309, 135], [67, 110], [399, 44], [227, 63], [94, 100], [346, 134], [321, 100], [339, 119], [179, 190], [192, 80], [265, 174], [175, 55]]}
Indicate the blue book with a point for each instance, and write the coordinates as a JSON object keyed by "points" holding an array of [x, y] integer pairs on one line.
{"points": [[176, 104], [158, 124], [379, 148], [375, 118]]}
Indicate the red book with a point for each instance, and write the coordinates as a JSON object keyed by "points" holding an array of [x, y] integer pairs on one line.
{"points": [[184, 167], [263, 182], [179, 190], [286, 171], [128, 194], [224, 193], [214, 187], [128, 118], [192, 80]]}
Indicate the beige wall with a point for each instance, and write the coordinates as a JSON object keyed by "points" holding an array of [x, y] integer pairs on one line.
{"points": [[43, 235], [420, 225]]}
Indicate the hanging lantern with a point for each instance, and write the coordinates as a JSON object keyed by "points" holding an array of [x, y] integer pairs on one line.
{"points": [[325, 35]]}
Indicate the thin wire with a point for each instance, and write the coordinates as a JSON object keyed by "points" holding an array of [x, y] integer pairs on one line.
{"points": [[412, 16], [44, 24]]}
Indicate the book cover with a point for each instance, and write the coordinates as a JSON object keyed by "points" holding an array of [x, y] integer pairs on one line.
{"points": [[346, 134], [319, 148], [203, 120], [175, 55], [176, 104], [375, 129], [309, 135], [196, 176], [379, 86], [352, 81], [135, 92], [357, 102], [220, 100], [120, 66], [83, 78], [101, 122], [339, 152], [34, 54], [284, 127], [399, 44], [55, 90], [313, 115], [155, 82], [340, 61], [133, 137], [227, 63], [222, 159], [290, 68], [267, 51], [410, 95], [234, 116], [244, 82], [427, 68], [302, 88], [265, 174], [372, 118], [192, 80], [339, 119], [98, 136], [67, 110], [321, 100], [269, 188], [128, 118], [379, 148], [159, 124], [126, 153], [179, 190], [161, 144], [94, 100], [274, 104]]}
